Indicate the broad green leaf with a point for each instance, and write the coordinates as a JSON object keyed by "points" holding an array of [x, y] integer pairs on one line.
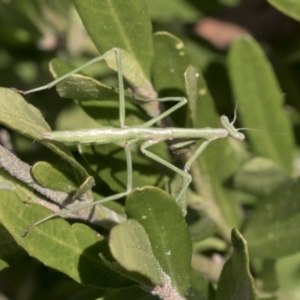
{"points": [[53, 177], [73, 250], [260, 103], [83, 88], [79, 86], [260, 176], [288, 7], [162, 219], [24, 118], [59, 67], [236, 281], [218, 162], [170, 63], [272, 231], [21, 116], [130, 246], [122, 24]]}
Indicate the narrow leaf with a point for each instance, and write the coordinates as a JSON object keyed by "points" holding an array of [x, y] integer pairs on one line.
{"points": [[288, 7], [261, 102], [217, 163], [236, 282], [122, 24]]}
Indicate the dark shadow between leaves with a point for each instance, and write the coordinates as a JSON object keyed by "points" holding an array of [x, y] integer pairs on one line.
{"points": [[94, 272]]}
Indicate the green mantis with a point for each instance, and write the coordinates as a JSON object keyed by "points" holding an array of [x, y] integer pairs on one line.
{"points": [[143, 133]]}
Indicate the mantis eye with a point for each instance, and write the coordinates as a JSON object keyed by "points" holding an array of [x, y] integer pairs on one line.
{"points": [[240, 136]]}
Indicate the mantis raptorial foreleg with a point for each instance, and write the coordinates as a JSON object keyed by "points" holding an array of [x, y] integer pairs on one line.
{"points": [[130, 135]]}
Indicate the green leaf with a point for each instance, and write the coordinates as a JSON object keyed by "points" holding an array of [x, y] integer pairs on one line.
{"points": [[272, 231], [260, 176], [130, 246], [54, 178], [73, 250], [217, 163], [59, 67], [236, 282], [170, 62], [288, 7], [122, 24], [24, 118], [83, 88], [21, 116], [256, 89], [162, 219], [51, 176]]}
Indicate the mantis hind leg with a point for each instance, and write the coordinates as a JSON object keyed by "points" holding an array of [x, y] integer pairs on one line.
{"points": [[187, 178], [91, 204], [94, 60]]}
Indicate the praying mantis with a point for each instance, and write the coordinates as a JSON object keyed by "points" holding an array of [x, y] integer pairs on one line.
{"points": [[144, 133]]}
